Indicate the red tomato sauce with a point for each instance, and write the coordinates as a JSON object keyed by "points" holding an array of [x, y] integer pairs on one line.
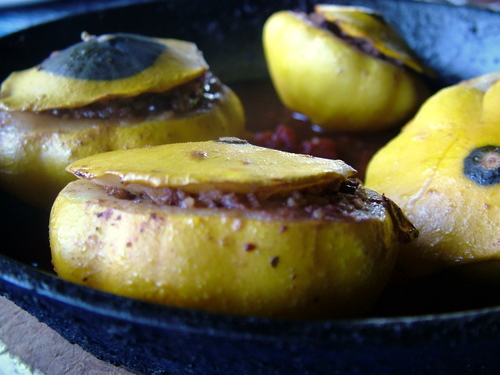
{"points": [[271, 124]]}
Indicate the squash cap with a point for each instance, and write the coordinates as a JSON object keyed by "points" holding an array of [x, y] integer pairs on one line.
{"points": [[360, 22], [107, 66], [228, 164]]}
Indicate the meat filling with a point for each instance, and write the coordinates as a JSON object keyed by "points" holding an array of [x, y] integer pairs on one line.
{"points": [[198, 94], [349, 201], [362, 44]]}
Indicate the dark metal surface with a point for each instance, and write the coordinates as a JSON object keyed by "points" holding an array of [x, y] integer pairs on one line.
{"points": [[154, 339], [458, 43]]}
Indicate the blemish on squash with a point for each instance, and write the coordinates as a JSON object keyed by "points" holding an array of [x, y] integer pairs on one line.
{"points": [[198, 155], [249, 246]]}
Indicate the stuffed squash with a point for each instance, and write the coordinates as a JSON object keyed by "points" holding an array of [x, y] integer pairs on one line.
{"points": [[227, 226], [443, 170], [344, 67], [106, 93]]}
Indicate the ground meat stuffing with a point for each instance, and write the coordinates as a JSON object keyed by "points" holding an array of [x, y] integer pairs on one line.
{"points": [[365, 45], [198, 94], [349, 201]]}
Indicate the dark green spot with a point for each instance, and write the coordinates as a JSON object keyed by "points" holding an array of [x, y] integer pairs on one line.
{"points": [[483, 165], [107, 57]]}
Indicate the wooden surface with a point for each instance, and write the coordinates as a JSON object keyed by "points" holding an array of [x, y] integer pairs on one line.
{"points": [[28, 347]]}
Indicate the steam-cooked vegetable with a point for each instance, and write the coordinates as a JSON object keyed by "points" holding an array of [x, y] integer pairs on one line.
{"points": [[227, 226], [344, 67], [106, 93], [443, 170]]}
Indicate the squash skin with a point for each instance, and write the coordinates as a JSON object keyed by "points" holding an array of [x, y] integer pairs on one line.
{"points": [[422, 170], [337, 86], [228, 164], [36, 89], [36, 147], [33, 158], [223, 261]]}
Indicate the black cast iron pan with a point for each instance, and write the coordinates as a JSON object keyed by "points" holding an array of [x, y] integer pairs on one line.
{"points": [[440, 325]]}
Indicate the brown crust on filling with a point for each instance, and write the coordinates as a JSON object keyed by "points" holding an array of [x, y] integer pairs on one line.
{"points": [[199, 94], [349, 202]]}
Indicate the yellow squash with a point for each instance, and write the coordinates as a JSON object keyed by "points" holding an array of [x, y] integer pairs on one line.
{"points": [[339, 86], [102, 67], [229, 164], [443, 170], [36, 145], [230, 260]]}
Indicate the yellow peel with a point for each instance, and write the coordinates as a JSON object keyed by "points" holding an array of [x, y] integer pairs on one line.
{"points": [[36, 149], [422, 170], [37, 90], [228, 165], [334, 84], [229, 261]]}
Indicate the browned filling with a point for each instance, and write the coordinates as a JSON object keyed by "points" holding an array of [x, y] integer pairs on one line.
{"points": [[198, 94], [350, 201], [364, 45]]}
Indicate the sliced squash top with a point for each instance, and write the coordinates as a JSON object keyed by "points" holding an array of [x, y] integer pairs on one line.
{"points": [[228, 164], [359, 22], [107, 66]]}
